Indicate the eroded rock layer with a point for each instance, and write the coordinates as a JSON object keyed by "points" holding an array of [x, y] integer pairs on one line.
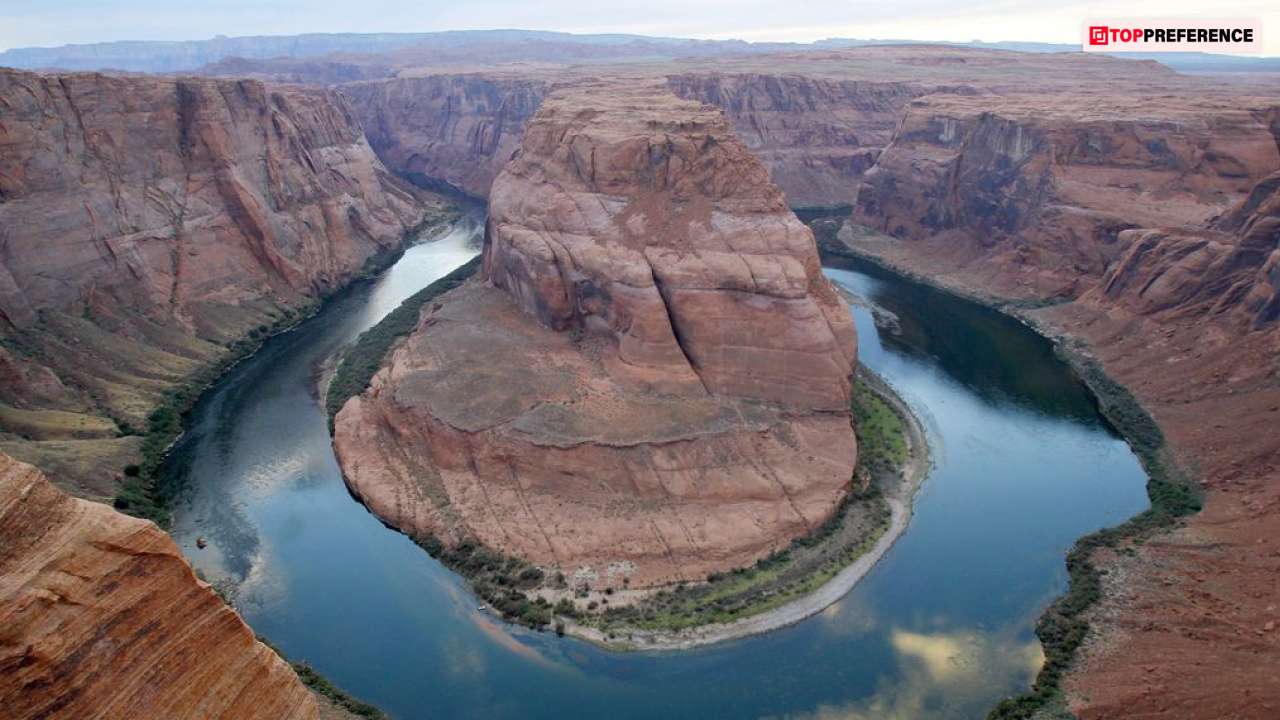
{"points": [[145, 223], [653, 224], [817, 136], [458, 129], [653, 383], [1033, 193], [101, 617]]}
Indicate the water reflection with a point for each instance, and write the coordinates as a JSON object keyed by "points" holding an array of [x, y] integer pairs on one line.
{"points": [[940, 675], [989, 353]]}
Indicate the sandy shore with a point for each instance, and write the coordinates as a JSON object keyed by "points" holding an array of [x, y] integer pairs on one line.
{"points": [[900, 500]]}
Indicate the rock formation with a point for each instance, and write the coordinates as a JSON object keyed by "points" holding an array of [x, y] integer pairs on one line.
{"points": [[653, 383], [1034, 192], [459, 129], [817, 136], [1231, 267], [146, 223], [101, 617]]}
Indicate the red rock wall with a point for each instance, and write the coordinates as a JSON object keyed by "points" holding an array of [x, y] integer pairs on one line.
{"points": [[817, 136], [458, 129], [102, 617], [1041, 193], [632, 213], [146, 223]]}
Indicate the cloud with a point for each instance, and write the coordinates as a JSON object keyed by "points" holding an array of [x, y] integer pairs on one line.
{"points": [[941, 675]]}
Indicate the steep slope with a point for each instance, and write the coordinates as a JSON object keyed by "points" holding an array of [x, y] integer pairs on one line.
{"points": [[1232, 266], [1031, 192], [817, 136], [101, 617], [146, 224], [654, 382], [457, 129]]}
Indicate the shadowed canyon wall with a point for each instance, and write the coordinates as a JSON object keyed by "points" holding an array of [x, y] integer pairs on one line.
{"points": [[453, 129]]}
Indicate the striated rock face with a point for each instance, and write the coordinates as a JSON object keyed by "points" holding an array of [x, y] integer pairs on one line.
{"points": [[457, 129], [1037, 190], [101, 617], [656, 226], [654, 384], [145, 223], [1230, 268], [817, 136]]}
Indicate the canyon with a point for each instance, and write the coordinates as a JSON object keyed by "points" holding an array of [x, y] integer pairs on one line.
{"points": [[652, 385], [1126, 210], [1136, 207], [150, 224]]}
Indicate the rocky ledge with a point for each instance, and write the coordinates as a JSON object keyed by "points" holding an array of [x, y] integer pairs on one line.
{"points": [[101, 617], [650, 381]]}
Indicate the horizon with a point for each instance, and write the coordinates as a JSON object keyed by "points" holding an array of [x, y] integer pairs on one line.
{"points": [[33, 24]]}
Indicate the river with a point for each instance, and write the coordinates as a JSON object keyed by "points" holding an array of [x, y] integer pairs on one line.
{"points": [[942, 627]]}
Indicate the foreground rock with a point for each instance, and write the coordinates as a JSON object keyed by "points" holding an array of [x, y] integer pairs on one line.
{"points": [[147, 224], [100, 616], [653, 383]]}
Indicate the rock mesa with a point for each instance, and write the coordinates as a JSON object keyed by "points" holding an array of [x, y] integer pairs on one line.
{"points": [[651, 380]]}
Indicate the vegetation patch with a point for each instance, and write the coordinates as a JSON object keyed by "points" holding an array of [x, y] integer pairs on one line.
{"points": [[500, 580], [882, 433], [518, 591], [321, 685], [786, 575], [365, 356], [1064, 625]]}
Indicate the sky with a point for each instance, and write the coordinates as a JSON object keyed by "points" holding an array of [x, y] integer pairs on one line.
{"points": [[57, 22]]}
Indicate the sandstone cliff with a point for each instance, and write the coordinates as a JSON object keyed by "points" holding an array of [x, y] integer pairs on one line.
{"points": [[1034, 191], [654, 384], [817, 136], [1229, 268], [459, 129], [146, 223], [101, 617]]}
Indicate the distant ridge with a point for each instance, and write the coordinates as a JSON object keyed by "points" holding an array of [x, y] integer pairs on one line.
{"points": [[164, 56], [179, 55]]}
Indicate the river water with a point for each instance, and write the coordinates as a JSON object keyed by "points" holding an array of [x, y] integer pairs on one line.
{"points": [[940, 628]]}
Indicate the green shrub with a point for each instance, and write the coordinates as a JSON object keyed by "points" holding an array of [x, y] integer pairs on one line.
{"points": [[321, 685], [363, 358]]}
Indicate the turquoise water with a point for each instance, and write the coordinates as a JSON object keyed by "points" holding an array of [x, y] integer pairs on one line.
{"points": [[942, 627]]}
